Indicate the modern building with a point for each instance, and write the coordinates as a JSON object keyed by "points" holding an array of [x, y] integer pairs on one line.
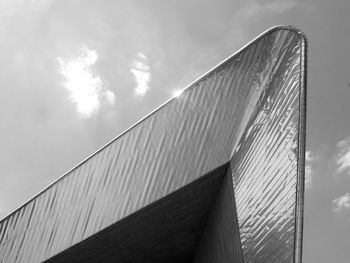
{"points": [[213, 175]]}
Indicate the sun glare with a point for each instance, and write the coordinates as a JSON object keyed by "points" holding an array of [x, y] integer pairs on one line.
{"points": [[177, 93]]}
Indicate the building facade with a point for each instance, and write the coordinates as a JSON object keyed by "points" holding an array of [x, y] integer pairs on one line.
{"points": [[213, 175]]}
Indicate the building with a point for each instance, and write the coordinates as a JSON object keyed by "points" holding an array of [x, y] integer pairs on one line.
{"points": [[213, 175]]}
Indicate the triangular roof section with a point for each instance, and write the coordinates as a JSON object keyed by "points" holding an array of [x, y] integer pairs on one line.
{"points": [[247, 114]]}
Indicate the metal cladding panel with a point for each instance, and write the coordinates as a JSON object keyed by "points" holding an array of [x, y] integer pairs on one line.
{"points": [[265, 168], [247, 109], [220, 240]]}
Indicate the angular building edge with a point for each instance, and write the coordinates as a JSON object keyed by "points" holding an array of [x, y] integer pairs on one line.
{"points": [[300, 189], [291, 28], [190, 85], [299, 197]]}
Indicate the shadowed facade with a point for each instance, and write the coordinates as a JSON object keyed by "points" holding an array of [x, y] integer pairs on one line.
{"points": [[214, 175]]}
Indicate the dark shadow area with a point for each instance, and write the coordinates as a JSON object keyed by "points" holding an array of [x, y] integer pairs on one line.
{"points": [[220, 240], [168, 230]]}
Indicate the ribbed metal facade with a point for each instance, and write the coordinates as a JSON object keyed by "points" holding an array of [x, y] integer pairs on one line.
{"points": [[248, 110], [265, 167]]}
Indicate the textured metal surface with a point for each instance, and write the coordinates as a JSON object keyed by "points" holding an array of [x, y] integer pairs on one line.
{"points": [[264, 168], [167, 230], [253, 94], [220, 240]]}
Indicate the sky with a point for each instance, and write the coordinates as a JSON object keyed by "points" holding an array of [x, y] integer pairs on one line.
{"points": [[74, 74]]}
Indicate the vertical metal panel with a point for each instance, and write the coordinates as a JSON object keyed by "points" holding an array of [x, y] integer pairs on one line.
{"points": [[265, 166], [253, 94], [220, 240]]}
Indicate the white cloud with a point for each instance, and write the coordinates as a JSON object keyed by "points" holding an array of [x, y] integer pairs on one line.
{"points": [[140, 70], [343, 158], [85, 89], [109, 97], [275, 7], [341, 203], [310, 157]]}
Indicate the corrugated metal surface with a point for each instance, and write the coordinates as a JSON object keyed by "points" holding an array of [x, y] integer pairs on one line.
{"points": [[167, 230], [265, 167], [220, 240], [181, 141]]}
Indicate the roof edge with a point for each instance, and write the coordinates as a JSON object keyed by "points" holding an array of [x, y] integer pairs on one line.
{"points": [[270, 30]]}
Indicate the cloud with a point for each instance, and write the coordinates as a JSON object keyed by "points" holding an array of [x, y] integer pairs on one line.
{"points": [[142, 75], [343, 158], [85, 88], [341, 203], [254, 8], [310, 157], [109, 97]]}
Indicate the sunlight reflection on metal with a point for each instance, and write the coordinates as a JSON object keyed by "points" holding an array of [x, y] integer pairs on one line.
{"points": [[177, 93]]}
